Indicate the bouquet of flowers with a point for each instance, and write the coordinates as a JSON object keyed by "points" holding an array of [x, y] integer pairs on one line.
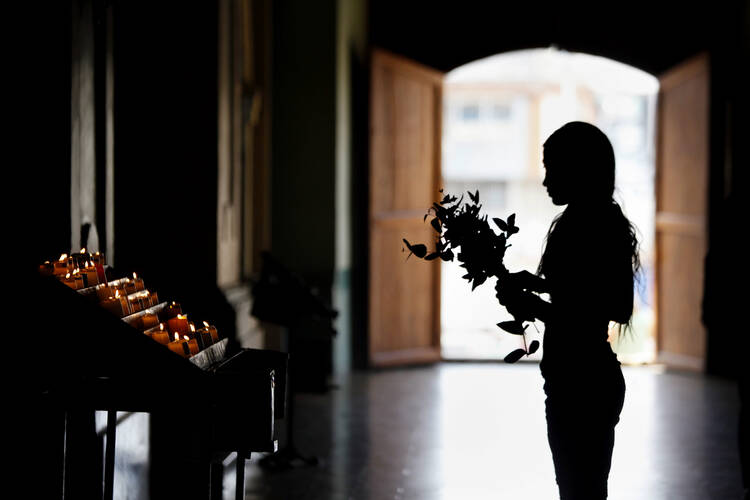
{"points": [[481, 250]]}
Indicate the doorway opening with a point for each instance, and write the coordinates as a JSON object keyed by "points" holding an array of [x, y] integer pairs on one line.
{"points": [[497, 112]]}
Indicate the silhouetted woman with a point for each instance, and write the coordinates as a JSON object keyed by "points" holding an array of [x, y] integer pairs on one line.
{"points": [[588, 267]]}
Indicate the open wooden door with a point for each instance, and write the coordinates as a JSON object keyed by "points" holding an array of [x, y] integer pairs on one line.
{"points": [[405, 176], [681, 212]]}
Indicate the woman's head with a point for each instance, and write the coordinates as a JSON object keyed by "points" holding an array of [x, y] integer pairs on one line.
{"points": [[579, 164]]}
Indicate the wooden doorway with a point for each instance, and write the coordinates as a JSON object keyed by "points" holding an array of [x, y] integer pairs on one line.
{"points": [[405, 176], [405, 130], [681, 212]]}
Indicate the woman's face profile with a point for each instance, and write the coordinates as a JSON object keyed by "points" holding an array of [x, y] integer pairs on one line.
{"points": [[554, 181]]}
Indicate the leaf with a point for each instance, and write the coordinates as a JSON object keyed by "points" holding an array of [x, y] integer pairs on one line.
{"points": [[447, 255], [419, 250], [432, 256], [514, 356], [436, 224], [447, 199], [500, 223], [478, 281], [512, 228], [514, 327], [474, 197], [533, 346]]}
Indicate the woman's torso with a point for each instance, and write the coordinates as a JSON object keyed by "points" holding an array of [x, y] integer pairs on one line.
{"points": [[584, 263]]}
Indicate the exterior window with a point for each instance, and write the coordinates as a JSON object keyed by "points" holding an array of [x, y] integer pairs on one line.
{"points": [[470, 112], [501, 112]]}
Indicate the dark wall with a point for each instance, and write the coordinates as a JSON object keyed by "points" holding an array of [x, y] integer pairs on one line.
{"points": [[38, 79], [166, 144], [649, 35], [726, 272], [303, 131]]}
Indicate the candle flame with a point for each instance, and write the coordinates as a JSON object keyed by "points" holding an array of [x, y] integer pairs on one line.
{"points": [[182, 316], [161, 326], [176, 336], [206, 323], [63, 257], [83, 250], [135, 276], [117, 294], [67, 276], [192, 327], [76, 270], [186, 337]]}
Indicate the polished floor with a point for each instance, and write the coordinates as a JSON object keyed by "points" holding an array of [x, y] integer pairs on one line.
{"points": [[477, 431]]}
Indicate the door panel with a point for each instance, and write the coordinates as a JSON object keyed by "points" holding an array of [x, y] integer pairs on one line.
{"points": [[405, 127], [681, 208]]}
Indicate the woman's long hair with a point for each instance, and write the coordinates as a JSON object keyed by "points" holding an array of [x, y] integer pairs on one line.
{"points": [[586, 153]]}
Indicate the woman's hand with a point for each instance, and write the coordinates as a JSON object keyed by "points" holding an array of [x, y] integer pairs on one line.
{"points": [[524, 280], [522, 304]]}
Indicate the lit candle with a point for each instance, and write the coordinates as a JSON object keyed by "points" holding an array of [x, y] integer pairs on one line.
{"points": [[138, 283], [61, 266], [89, 271], [192, 345], [140, 300], [204, 337], [172, 310], [119, 283], [104, 291], [124, 301], [149, 320], [195, 335], [135, 285], [135, 303], [70, 281], [159, 334], [212, 331], [98, 258], [78, 277], [113, 305], [179, 346], [99, 262], [179, 324], [79, 259], [47, 269]]}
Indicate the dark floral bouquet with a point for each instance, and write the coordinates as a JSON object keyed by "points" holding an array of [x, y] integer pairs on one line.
{"points": [[480, 250]]}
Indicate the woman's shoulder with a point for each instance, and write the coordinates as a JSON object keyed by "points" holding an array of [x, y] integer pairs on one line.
{"points": [[593, 227]]}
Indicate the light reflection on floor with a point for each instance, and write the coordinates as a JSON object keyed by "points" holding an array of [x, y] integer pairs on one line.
{"points": [[477, 430]]}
